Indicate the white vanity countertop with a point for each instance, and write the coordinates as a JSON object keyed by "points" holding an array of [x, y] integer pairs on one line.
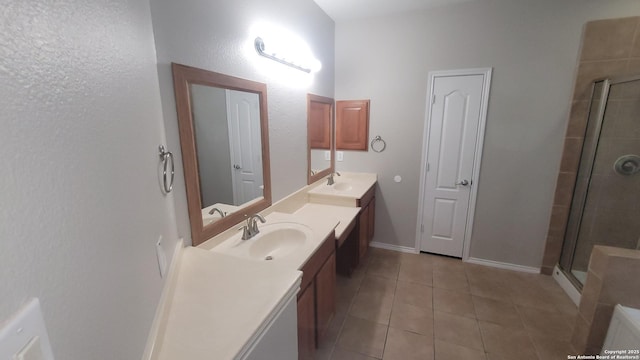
{"points": [[341, 214], [220, 304], [346, 190], [319, 228]]}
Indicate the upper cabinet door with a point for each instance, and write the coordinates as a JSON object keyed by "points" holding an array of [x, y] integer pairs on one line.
{"points": [[352, 124]]}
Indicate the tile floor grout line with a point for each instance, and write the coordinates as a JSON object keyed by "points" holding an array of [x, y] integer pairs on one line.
{"points": [[433, 317], [386, 336], [527, 330], [475, 312]]}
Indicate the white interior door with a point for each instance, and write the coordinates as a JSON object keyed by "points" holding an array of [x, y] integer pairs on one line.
{"points": [[243, 115], [455, 117]]}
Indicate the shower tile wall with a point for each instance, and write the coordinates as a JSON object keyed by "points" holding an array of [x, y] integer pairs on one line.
{"points": [[609, 48]]}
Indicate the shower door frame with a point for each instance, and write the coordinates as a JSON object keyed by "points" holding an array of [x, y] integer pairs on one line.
{"points": [[578, 200]]}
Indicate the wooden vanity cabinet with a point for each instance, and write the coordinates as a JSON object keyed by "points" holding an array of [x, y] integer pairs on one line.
{"points": [[306, 323], [366, 221], [317, 298]]}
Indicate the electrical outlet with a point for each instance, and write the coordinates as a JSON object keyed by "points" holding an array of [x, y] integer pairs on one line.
{"points": [[327, 155], [162, 257]]}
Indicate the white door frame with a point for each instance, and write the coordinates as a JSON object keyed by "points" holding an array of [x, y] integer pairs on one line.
{"points": [[484, 105]]}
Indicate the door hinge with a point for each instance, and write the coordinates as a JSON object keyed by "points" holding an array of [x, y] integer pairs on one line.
{"points": [[421, 227], [428, 167]]}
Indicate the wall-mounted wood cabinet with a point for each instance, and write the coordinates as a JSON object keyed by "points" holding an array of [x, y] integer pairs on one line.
{"points": [[352, 124]]}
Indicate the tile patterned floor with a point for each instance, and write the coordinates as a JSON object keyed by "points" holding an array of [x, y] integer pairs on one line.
{"points": [[400, 306]]}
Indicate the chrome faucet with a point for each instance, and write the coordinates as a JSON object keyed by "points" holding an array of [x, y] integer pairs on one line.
{"points": [[250, 229], [214, 210], [330, 180]]}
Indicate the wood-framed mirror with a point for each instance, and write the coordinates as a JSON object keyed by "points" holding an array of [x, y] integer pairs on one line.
{"points": [[224, 138], [320, 137]]}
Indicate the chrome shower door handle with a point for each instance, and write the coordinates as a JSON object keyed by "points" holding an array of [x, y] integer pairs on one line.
{"points": [[464, 182]]}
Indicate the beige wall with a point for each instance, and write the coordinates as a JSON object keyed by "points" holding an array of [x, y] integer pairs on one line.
{"points": [[609, 48], [533, 47]]}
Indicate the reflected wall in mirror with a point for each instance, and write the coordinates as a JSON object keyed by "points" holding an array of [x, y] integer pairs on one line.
{"points": [[224, 141], [320, 154]]}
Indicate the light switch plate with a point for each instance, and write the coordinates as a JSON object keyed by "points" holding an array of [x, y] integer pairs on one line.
{"points": [[21, 335], [32, 351], [340, 155], [327, 155]]}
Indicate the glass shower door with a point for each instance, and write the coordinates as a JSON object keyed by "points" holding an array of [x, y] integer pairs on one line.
{"points": [[606, 202]]}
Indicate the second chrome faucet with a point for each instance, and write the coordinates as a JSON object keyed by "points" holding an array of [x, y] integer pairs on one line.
{"points": [[330, 180], [250, 229]]}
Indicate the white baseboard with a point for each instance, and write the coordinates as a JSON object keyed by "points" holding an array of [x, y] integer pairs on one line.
{"points": [[399, 248], [566, 285], [503, 265]]}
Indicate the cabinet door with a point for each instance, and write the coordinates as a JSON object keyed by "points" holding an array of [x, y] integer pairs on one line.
{"points": [[372, 218], [325, 296], [363, 234], [352, 124], [306, 324]]}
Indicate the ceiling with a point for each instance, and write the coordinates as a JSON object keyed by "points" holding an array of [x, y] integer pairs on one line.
{"points": [[340, 10]]}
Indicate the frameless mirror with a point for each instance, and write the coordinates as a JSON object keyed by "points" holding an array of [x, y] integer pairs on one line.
{"points": [[224, 142], [320, 154]]}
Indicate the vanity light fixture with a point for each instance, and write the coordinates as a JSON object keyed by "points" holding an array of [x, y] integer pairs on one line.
{"points": [[294, 61]]}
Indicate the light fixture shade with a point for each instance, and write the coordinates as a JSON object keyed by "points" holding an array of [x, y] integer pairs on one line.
{"points": [[287, 56]]}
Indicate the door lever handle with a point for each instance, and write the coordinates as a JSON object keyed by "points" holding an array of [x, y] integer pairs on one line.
{"points": [[464, 182]]}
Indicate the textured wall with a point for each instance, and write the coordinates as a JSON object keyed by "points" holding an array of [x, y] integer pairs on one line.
{"points": [[532, 47], [217, 36], [81, 203]]}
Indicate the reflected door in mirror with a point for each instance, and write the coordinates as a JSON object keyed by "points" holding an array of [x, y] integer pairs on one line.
{"points": [[228, 146], [246, 149]]}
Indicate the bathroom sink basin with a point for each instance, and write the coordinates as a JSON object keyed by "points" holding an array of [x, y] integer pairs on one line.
{"points": [[274, 241], [342, 186], [269, 245], [338, 188]]}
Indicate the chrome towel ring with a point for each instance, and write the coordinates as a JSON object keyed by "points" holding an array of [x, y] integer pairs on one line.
{"points": [[381, 144], [166, 157]]}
